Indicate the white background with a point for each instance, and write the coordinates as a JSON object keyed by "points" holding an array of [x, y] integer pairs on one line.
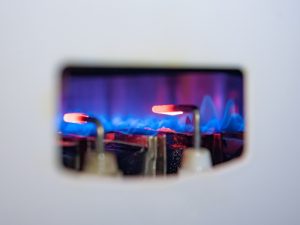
{"points": [[37, 38]]}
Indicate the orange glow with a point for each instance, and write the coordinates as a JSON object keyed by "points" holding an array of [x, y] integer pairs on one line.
{"points": [[75, 118], [165, 129], [166, 110]]}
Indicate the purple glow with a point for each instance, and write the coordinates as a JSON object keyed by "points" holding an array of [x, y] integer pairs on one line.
{"points": [[124, 103]]}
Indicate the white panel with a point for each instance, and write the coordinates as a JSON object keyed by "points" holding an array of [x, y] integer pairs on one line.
{"points": [[37, 38]]}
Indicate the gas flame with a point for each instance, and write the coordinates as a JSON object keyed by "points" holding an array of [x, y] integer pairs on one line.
{"points": [[211, 122]]}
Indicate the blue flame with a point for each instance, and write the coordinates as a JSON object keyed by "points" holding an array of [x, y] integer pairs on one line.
{"points": [[231, 121]]}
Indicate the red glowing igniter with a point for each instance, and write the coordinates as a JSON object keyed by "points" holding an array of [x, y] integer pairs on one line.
{"points": [[76, 118], [173, 109]]}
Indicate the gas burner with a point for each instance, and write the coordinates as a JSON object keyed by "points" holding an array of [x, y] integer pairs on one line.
{"points": [[131, 150]]}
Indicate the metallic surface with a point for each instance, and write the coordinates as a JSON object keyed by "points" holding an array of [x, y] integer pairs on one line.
{"points": [[161, 164], [100, 135], [197, 137], [150, 164]]}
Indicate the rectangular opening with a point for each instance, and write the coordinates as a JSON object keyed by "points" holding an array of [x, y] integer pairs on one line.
{"points": [[135, 105]]}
